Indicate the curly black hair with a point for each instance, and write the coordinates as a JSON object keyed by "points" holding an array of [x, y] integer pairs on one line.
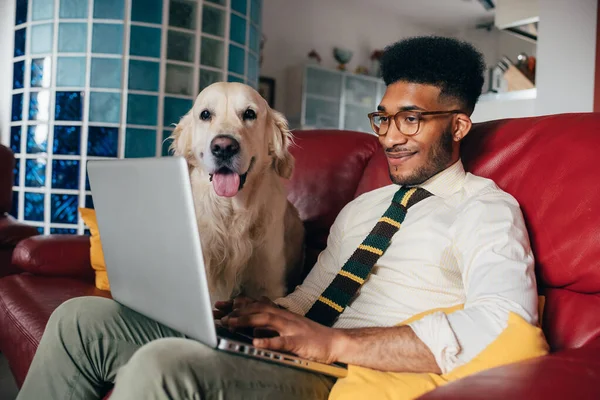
{"points": [[454, 66]]}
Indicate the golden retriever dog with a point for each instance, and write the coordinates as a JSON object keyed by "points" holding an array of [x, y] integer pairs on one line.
{"points": [[237, 149]]}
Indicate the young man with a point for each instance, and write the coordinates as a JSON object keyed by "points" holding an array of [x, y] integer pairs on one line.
{"points": [[464, 242]]}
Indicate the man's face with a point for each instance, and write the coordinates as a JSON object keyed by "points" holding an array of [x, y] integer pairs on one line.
{"points": [[414, 159]]}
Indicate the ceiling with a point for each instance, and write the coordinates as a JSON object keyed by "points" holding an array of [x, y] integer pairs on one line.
{"points": [[444, 14]]}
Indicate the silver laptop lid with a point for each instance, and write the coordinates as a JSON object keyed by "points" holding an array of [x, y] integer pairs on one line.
{"points": [[151, 242]]}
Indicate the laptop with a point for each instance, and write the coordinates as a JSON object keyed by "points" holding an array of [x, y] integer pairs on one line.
{"points": [[153, 253]]}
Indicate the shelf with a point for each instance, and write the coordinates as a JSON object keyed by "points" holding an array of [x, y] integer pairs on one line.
{"points": [[323, 98], [508, 96]]}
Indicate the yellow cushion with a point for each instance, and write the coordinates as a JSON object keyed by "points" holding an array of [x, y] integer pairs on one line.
{"points": [[96, 255], [519, 341]]}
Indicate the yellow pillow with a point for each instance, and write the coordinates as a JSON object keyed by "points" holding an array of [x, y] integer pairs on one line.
{"points": [[96, 255], [519, 341]]}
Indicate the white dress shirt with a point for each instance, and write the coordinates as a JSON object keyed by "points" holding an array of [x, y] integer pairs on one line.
{"points": [[467, 244]]}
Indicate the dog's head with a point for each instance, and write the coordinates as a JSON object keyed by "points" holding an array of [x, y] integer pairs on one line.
{"points": [[232, 133]]}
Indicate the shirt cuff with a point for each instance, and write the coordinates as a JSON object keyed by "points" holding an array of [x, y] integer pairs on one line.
{"points": [[435, 331]]}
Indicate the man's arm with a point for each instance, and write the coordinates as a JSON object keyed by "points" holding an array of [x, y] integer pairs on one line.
{"points": [[498, 277], [493, 251], [395, 349]]}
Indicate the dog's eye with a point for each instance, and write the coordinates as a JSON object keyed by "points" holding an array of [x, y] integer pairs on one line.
{"points": [[249, 114], [205, 115]]}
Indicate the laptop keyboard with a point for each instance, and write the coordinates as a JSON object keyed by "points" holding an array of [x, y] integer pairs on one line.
{"points": [[227, 334]]}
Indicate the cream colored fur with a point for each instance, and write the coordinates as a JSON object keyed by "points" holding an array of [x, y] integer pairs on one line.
{"points": [[253, 241]]}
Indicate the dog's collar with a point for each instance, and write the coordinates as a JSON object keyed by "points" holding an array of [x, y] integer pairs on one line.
{"points": [[242, 177]]}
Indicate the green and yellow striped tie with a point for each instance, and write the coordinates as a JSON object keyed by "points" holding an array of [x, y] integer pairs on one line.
{"points": [[354, 273]]}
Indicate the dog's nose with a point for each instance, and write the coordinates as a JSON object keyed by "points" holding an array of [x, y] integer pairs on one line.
{"points": [[224, 147]]}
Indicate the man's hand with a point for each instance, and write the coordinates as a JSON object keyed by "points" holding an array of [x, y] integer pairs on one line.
{"points": [[224, 308], [297, 334]]}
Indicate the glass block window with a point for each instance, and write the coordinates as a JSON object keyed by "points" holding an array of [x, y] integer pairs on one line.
{"points": [[39, 106], [109, 9], [67, 140], [237, 30], [178, 80], [106, 72], [180, 46], [142, 109], [37, 139], [41, 72], [15, 139], [76, 96], [166, 143], [70, 72], [42, 9], [69, 106], [103, 142], [105, 107], [143, 75], [64, 208], [17, 107], [21, 12], [72, 38], [208, 77], [145, 41], [240, 6], [140, 143], [19, 75], [107, 38], [73, 9], [19, 43], [17, 172], [35, 173], [41, 38], [213, 21], [212, 53], [182, 14], [65, 174], [149, 11], [33, 209], [175, 108], [237, 59]]}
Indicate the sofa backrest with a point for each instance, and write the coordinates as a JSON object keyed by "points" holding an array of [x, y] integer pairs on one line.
{"points": [[329, 166], [547, 163], [7, 163]]}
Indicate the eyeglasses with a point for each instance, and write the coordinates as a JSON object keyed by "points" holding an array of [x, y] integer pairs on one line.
{"points": [[407, 122]]}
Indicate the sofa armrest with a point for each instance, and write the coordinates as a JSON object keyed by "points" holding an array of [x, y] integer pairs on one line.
{"points": [[13, 231], [567, 374], [55, 255]]}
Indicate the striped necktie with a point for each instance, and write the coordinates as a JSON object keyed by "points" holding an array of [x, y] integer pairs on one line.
{"points": [[355, 271]]}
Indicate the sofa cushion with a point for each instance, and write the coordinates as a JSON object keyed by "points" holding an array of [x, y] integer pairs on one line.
{"points": [[26, 302]]}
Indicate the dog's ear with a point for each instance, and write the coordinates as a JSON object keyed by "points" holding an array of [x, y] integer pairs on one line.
{"points": [[279, 143], [181, 137]]}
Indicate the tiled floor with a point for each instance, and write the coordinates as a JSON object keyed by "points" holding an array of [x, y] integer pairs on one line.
{"points": [[8, 388]]}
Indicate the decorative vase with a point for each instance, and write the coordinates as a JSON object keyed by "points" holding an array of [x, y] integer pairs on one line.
{"points": [[342, 56]]}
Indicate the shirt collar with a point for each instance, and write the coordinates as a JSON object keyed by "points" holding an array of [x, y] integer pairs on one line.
{"points": [[446, 182]]}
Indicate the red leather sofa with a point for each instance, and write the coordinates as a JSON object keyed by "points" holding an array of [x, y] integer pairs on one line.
{"points": [[11, 231], [548, 163]]}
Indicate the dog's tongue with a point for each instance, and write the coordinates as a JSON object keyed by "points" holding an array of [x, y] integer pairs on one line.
{"points": [[226, 184]]}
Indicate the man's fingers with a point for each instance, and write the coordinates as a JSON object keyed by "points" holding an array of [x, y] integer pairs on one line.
{"points": [[241, 301], [260, 320], [278, 343]]}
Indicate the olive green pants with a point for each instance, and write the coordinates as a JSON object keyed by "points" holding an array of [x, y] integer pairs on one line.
{"points": [[92, 342]]}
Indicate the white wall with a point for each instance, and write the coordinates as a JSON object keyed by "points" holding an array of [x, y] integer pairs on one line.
{"points": [[7, 21], [566, 56], [294, 27]]}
